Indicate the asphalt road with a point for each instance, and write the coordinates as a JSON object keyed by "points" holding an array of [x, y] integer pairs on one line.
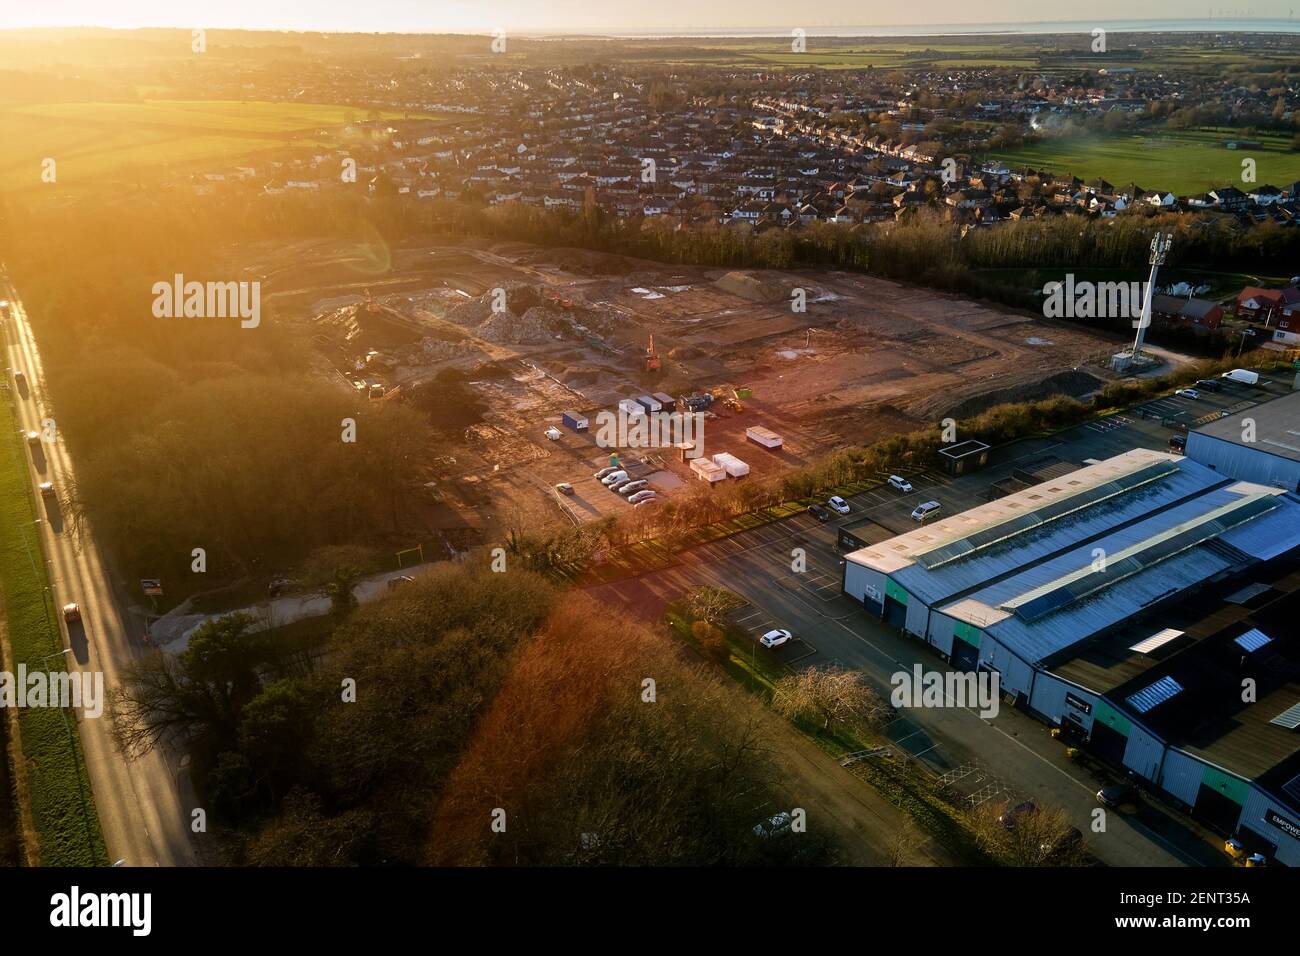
{"points": [[140, 810], [1012, 754]]}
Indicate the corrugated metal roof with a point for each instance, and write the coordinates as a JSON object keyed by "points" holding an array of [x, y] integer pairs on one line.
{"points": [[1252, 640], [1153, 695], [1272, 532]]}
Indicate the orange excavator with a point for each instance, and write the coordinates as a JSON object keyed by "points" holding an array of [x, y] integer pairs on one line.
{"points": [[652, 363]]}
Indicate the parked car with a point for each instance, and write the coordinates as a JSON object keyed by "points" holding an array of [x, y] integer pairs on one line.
{"points": [[774, 826], [1209, 385], [606, 472], [47, 489], [1187, 392], [637, 497], [564, 488], [646, 502], [1178, 444], [553, 433], [1243, 376], [19, 376], [1234, 848], [1256, 859], [837, 504], [71, 613], [1009, 816], [775, 637], [1067, 841], [397, 582], [632, 487], [818, 512], [925, 511], [901, 483], [1117, 795], [617, 483], [612, 477], [33, 438]]}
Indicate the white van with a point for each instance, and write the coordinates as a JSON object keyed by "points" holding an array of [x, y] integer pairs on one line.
{"points": [[925, 511]]}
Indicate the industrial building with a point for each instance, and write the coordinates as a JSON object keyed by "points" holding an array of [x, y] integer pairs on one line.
{"points": [[1260, 444], [1075, 591]]}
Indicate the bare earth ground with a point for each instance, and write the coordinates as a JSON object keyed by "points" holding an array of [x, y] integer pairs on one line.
{"points": [[868, 357]]}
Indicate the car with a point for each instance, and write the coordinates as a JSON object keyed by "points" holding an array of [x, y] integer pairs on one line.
{"points": [[1187, 392], [1256, 859], [899, 482], [923, 511], [564, 488], [47, 489], [19, 376], [1208, 384], [397, 582], [1117, 795], [774, 826], [71, 613], [632, 487], [818, 512], [33, 438], [1010, 816], [612, 477], [837, 504], [642, 496], [776, 637], [1234, 848], [646, 502], [606, 472], [617, 483]]}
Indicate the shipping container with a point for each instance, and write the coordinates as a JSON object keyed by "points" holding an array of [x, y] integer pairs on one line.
{"points": [[731, 464], [667, 401], [709, 470], [575, 421], [648, 403], [763, 436], [631, 408]]}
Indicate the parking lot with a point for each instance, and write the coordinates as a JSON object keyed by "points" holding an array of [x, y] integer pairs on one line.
{"points": [[790, 572]]}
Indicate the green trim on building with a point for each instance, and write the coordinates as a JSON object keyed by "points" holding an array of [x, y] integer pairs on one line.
{"points": [[1234, 788], [1112, 718], [896, 591], [968, 633]]}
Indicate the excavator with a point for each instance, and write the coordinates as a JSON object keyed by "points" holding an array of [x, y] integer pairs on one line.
{"points": [[652, 362]]}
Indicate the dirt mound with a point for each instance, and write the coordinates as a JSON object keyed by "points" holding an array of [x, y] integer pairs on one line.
{"points": [[1072, 383], [750, 286], [686, 352], [535, 326]]}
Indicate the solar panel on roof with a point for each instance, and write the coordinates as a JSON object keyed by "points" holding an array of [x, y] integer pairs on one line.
{"points": [[1289, 718], [1154, 695], [1252, 640], [1050, 512]]}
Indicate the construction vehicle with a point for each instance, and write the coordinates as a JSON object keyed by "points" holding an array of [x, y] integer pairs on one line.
{"points": [[652, 362]]}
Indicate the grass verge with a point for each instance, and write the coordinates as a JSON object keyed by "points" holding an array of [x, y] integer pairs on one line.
{"points": [[58, 786]]}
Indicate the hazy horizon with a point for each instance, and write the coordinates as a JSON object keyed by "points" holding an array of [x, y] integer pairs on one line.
{"points": [[674, 17]]}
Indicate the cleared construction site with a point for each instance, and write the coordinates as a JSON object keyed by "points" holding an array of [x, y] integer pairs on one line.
{"points": [[497, 341]]}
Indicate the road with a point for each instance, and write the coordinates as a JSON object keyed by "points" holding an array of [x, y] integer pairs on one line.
{"points": [[1014, 751], [140, 810]]}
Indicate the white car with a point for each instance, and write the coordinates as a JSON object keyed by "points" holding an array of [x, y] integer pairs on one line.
{"points": [[632, 487], [775, 637], [645, 494], [1188, 392], [837, 504], [612, 477], [901, 483]]}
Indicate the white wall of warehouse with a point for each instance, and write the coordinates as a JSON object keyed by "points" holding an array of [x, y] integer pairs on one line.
{"points": [[1144, 752], [1048, 699], [1181, 776], [858, 580]]}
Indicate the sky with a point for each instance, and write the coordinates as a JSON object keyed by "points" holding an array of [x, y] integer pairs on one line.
{"points": [[532, 16]]}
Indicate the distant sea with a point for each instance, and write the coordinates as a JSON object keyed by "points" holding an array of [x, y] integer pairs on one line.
{"points": [[1203, 25]]}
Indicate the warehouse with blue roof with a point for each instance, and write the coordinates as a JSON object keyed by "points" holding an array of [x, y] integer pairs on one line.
{"points": [[1070, 573]]}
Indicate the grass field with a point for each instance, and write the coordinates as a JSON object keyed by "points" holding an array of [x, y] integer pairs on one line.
{"points": [[1184, 162], [62, 809], [93, 141]]}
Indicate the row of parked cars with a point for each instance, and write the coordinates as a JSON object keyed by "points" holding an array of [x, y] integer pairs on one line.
{"points": [[636, 490], [836, 504]]}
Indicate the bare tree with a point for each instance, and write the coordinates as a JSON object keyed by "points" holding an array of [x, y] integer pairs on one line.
{"points": [[828, 694]]}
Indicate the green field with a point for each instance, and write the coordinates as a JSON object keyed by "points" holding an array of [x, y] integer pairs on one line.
{"points": [[91, 142], [1182, 162], [63, 811]]}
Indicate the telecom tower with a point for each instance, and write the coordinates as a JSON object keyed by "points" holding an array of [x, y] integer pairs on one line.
{"points": [[1159, 250]]}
